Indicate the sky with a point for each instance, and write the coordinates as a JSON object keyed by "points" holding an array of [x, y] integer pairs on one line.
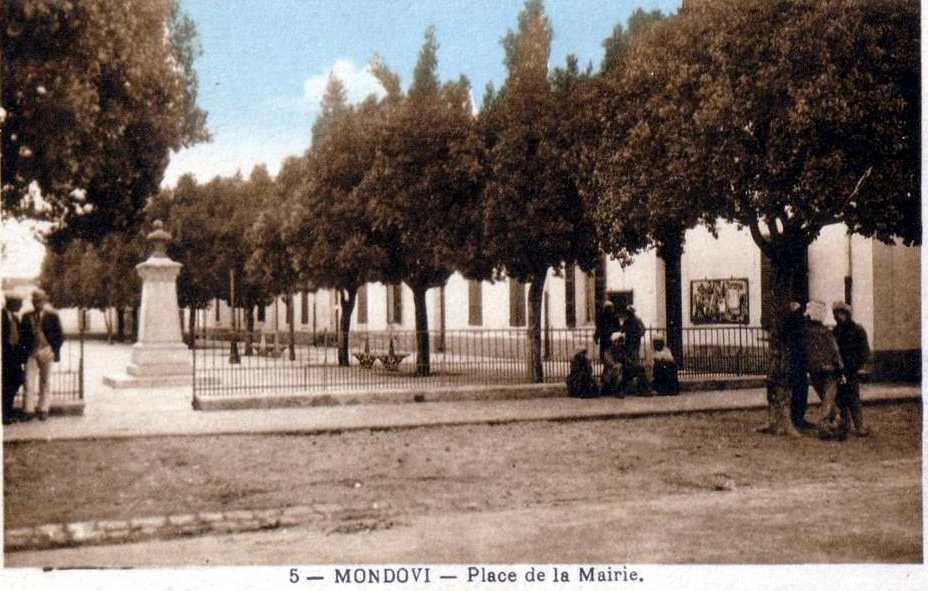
{"points": [[265, 62]]}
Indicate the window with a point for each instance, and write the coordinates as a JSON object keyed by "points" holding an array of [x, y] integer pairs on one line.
{"points": [[288, 302], [304, 307], [516, 303], [395, 303], [570, 296], [362, 304], [262, 313], [216, 301], [475, 303]]}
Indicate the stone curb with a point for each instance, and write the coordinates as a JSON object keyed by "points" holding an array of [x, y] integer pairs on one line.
{"points": [[439, 394], [87, 533]]}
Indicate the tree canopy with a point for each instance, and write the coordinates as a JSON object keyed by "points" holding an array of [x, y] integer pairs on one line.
{"points": [[782, 117], [95, 95]]}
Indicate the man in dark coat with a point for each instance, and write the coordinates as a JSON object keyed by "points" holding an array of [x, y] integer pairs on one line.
{"points": [[13, 375], [855, 352], [633, 328], [42, 338], [794, 333], [607, 322]]}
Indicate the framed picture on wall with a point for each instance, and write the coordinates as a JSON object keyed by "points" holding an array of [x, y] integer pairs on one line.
{"points": [[719, 301]]}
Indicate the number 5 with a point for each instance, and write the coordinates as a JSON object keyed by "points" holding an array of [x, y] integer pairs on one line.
{"points": [[294, 576]]}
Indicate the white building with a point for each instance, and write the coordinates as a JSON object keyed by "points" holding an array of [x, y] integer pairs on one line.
{"points": [[723, 285]]}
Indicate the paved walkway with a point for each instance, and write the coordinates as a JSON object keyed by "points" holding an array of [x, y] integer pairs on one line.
{"points": [[111, 413]]}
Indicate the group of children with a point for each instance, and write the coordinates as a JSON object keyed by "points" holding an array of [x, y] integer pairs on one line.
{"points": [[623, 371]]}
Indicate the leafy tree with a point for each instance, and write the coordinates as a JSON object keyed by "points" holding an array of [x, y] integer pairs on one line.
{"points": [[73, 278], [95, 94], [533, 216], [120, 253], [635, 211], [270, 268], [618, 43], [328, 227], [783, 117], [423, 184]]}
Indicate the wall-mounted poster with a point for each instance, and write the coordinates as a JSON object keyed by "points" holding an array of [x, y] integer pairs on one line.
{"points": [[719, 301]]}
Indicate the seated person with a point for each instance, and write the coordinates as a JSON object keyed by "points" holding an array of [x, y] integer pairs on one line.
{"points": [[613, 362], [580, 383], [661, 369]]}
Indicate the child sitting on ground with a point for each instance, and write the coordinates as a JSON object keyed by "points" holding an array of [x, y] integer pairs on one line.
{"points": [[662, 369], [580, 383]]}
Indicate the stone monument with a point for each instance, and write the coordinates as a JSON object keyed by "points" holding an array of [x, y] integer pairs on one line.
{"points": [[160, 357]]}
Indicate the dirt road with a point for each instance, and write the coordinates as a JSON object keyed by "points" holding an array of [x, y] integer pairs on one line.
{"points": [[693, 488]]}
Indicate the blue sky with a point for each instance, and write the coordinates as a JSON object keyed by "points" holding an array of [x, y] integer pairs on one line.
{"points": [[264, 63]]}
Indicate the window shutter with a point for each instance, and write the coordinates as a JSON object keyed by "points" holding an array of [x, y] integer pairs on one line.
{"points": [[570, 293], [362, 304], [475, 303], [516, 303], [304, 307]]}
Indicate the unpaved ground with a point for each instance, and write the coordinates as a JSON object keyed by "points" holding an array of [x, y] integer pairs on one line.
{"points": [[653, 465]]}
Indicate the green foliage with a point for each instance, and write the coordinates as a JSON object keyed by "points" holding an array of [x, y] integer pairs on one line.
{"points": [[621, 39], [783, 117], [425, 177], [94, 100], [532, 214]]}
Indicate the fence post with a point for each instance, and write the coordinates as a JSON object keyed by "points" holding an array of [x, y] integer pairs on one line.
{"points": [[80, 363], [193, 350]]}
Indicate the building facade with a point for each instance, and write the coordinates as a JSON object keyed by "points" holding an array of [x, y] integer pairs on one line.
{"points": [[724, 283]]}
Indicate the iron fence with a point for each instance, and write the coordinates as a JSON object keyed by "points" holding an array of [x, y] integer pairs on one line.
{"points": [[67, 376], [269, 364]]}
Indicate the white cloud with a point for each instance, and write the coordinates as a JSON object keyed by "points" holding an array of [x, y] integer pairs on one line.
{"points": [[237, 150], [359, 83]]}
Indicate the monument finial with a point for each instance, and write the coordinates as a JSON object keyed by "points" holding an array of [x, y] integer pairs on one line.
{"points": [[159, 239]]}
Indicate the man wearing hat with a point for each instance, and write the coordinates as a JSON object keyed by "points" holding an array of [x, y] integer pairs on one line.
{"points": [[855, 352], [42, 338], [13, 376]]}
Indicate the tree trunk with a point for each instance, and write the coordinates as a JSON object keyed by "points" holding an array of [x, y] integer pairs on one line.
{"points": [[423, 362], [536, 292], [108, 321], [250, 325], [135, 323], [671, 254], [347, 306], [779, 395], [191, 326], [120, 324], [292, 328]]}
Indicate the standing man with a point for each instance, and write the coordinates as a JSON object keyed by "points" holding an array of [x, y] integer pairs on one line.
{"points": [[633, 328], [606, 323], [632, 370], [42, 338], [855, 352], [13, 376], [794, 333]]}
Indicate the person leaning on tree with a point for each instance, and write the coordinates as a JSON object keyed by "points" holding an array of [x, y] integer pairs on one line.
{"points": [[42, 338], [855, 352], [823, 362]]}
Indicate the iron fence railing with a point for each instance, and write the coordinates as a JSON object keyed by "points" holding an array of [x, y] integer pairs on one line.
{"points": [[67, 377], [265, 364]]}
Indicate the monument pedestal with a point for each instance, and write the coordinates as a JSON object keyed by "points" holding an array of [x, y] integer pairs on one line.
{"points": [[160, 357]]}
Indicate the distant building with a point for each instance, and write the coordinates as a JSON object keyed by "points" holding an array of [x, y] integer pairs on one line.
{"points": [[725, 283]]}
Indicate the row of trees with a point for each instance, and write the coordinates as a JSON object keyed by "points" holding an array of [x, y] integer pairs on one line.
{"points": [[782, 117]]}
